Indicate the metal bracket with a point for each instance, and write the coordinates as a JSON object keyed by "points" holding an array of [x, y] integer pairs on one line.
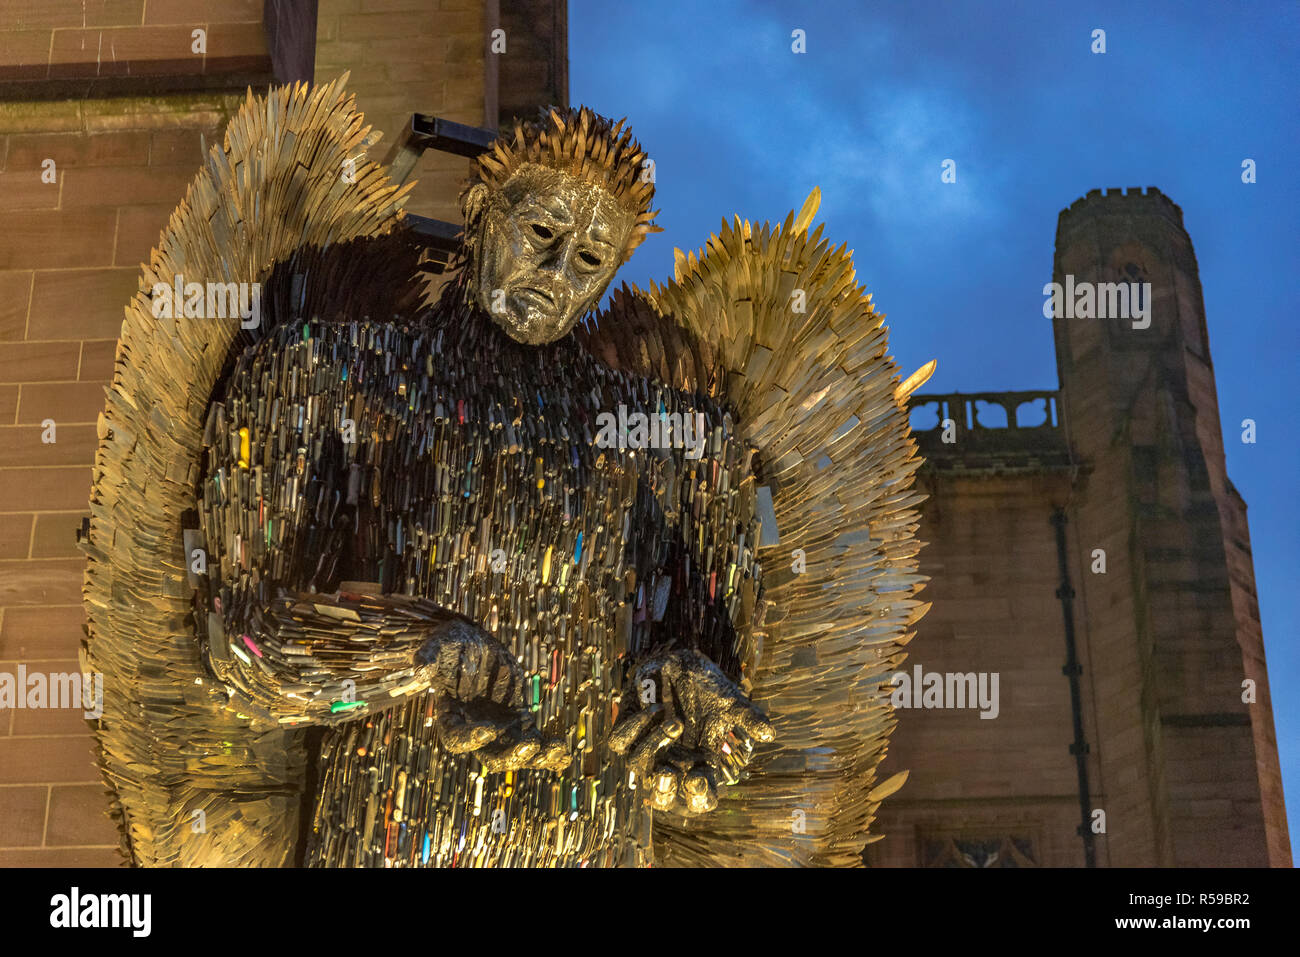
{"points": [[426, 132]]}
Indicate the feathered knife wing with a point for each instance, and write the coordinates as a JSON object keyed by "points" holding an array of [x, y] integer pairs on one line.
{"points": [[773, 319], [195, 783]]}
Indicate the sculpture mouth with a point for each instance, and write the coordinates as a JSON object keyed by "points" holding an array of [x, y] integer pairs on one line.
{"points": [[537, 295]]}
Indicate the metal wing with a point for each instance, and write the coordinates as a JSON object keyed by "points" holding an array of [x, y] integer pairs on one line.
{"points": [[778, 324], [270, 206]]}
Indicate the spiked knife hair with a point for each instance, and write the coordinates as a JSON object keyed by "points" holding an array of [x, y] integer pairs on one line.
{"points": [[582, 143]]}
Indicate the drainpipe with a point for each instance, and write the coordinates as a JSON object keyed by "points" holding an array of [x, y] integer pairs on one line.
{"points": [[1072, 670]]}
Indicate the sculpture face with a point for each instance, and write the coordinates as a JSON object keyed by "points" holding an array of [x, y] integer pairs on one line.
{"points": [[549, 243]]}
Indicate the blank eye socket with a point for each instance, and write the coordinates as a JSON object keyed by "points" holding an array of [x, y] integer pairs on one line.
{"points": [[589, 259], [542, 231]]}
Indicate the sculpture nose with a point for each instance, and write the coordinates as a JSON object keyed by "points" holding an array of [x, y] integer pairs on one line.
{"points": [[559, 264]]}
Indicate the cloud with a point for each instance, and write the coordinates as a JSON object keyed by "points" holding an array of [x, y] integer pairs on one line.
{"points": [[886, 159]]}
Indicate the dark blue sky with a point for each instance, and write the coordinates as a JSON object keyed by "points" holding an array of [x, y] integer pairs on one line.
{"points": [[738, 124]]}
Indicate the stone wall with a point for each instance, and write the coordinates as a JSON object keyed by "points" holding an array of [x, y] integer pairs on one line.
{"points": [[991, 556], [1185, 772]]}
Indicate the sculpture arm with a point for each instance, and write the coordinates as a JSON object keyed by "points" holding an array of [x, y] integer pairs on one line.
{"points": [[685, 720], [321, 659], [311, 659]]}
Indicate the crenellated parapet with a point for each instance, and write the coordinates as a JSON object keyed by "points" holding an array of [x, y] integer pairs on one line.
{"points": [[1115, 201]]}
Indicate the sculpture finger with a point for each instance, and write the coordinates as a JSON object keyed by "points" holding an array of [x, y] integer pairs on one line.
{"points": [[552, 756], [460, 731], [664, 785], [754, 723], [630, 727], [699, 790], [506, 679], [460, 736], [513, 750], [643, 755]]}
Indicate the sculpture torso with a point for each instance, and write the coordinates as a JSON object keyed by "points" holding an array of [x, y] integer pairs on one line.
{"points": [[475, 481]]}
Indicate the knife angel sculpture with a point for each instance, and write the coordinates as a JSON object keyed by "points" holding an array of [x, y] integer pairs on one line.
{"points": [[374, 581]]}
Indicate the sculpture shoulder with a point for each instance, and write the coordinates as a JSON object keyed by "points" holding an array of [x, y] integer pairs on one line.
{"points": [[633, 337]]}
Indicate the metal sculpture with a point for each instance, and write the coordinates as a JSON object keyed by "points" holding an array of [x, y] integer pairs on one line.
{"points": [[471, 586]]}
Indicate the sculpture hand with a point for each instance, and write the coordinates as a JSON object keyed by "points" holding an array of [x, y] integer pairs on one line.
{"points": [[479, 707], [694, 735]]}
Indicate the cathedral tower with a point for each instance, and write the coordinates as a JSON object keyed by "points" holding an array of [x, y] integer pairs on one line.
{"points": [[1171, 648]]}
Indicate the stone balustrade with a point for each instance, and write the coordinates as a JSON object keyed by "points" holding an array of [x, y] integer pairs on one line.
{"points": [[990, 430]]}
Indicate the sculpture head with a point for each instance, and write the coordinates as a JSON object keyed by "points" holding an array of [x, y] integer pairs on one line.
{"points": [[550, 215]]}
